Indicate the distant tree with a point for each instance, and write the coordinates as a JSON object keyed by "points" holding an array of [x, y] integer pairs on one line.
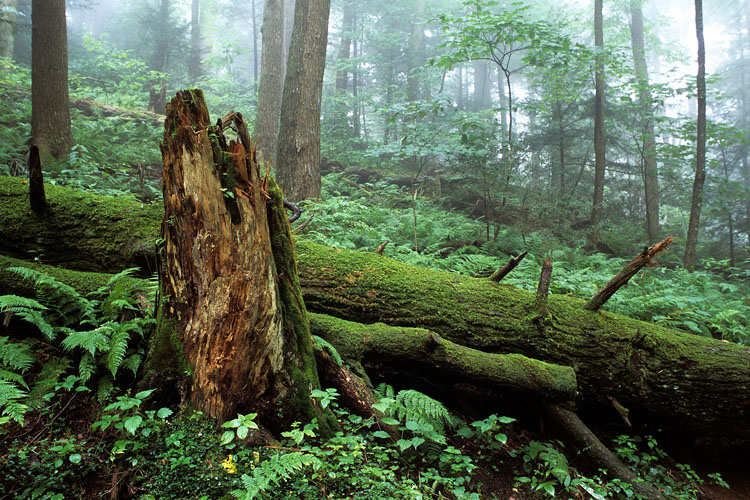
{"points": [[341, 126], [298, 157], [416, 52], [266, 130], [7, 26], [160, 57], [50, 113], [700, 159], [195, 66], [599, 138], [648, 136]]}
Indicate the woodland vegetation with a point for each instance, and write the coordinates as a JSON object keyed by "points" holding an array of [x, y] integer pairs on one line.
{"points": [[521, 269]]}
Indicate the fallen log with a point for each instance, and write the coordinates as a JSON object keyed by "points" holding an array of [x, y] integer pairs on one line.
{"points": [[681, 381]]}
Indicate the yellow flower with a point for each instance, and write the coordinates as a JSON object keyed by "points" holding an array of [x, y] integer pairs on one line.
{"points": [[229, 465]]}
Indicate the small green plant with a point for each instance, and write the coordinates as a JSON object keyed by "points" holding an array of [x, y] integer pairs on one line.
{"points": [[239, 427]]}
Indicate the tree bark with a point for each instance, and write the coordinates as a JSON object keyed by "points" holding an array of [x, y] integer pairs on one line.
{"points": [[648, 135], [700, 158], [7, 27], [416, 52], [599, 138], [298, 156], [229, 288], [665, 377], [50, 113], [266, 130]]}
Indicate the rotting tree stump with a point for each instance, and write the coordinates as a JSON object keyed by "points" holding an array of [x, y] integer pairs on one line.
{"points": [[224, 314]]}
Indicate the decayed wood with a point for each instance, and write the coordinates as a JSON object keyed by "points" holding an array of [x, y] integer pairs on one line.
{"points": [[593, 449], [508, 267], [381, 248], [627, 272], [219, 279], [542, 290], [37, 200]]}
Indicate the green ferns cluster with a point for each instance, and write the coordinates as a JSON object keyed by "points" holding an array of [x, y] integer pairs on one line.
{"points": [[104, 336]]}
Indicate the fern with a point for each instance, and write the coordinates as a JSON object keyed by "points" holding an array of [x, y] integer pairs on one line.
{"points": [[274, 470], [14, 360], [46, 381], [15, 356], [91, 341], [323, 345], [28, 310], [10, 396], [67, 306], [118, 346], [417, 406]]}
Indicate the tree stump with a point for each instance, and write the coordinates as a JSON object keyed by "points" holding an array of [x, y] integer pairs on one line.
{"points": [[222, 300]]}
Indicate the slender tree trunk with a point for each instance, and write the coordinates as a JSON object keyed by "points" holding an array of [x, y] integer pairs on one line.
{"points": [[7, 27], [289, 7], [502, 99], [161, 50], [266, 130], [730, 219], [416, 52], [700, 159], [359, 114], [255, 45], [195, 67], [599, 138], [50, 113], [482, 99], [460, 88], [298, 157], [342, 74], [648, 151]]}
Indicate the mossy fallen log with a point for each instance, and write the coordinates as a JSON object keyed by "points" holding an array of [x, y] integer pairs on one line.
{"points": [[662, 376]]}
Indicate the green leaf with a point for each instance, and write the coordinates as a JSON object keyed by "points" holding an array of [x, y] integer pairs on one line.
{"points": [[242, 432], [227, 437], [381, 434], [164, 413], [75, 458], [132, 423]]}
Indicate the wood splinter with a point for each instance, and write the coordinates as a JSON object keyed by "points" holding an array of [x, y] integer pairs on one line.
{"points": [[542, 291], [508, 267], [381, 248], [621, 410], [628, 271]]}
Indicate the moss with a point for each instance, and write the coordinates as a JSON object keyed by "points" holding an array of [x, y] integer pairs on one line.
{"points": [[297, 338], [79, 230]]}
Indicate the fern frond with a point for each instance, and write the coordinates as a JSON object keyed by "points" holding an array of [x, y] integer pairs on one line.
{"points": [[66, 305], [104, 389], [46, 381], [13, 302], [417, 406], [91, 340], [384, 390], [86, 367], [321, 344], [118, 346], [132, 362], [10, 394], [15, 356], [276, 469]]}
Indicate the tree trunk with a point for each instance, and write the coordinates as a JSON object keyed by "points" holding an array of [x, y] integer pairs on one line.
{"points": [[254, 27], [482, 99], [648, 151], [341, 108], [7, 27], [227, 286], [599, 138], [416, 52], [266, 130], [160, 59], [700, 158], [681, 381], [298, 157], [50, 113], [195, 67]]}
